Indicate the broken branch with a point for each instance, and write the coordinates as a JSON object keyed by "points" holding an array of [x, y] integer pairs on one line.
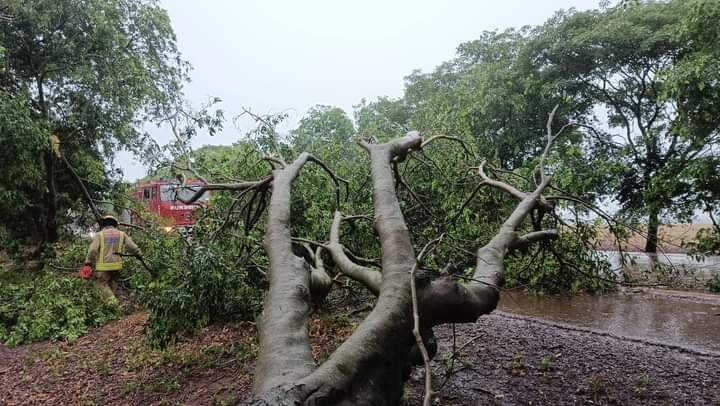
{"points": [[369, 277]]}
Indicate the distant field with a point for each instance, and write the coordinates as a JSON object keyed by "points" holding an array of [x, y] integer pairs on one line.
{"points": [[673, 238]]}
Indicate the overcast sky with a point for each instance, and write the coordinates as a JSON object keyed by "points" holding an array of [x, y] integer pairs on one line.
{"points": [[273, 55]]}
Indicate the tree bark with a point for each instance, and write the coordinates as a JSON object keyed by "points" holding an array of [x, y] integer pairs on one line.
{"points": [[372, 365], [285, 355], [651, 243], [50, 233], [50, 200]]}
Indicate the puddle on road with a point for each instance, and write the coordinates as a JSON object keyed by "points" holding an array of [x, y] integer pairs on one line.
{"points": [[665, 319]]}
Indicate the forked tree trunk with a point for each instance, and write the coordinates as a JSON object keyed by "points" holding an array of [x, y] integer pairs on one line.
{"points": [[371, 366]]}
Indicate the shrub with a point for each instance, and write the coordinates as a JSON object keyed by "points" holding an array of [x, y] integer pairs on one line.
{"points": [[708, 242], [195, 284], [68, 254], [713, 284]]}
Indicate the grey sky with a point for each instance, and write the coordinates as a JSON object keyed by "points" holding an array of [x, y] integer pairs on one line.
{"points": [[274, 55]]}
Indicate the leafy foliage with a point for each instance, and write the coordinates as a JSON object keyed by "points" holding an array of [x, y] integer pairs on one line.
{"points": [[87, 73], [648, 67], [708, 242], [200, 287], [713, 284], [547, 271], [644, 64], [209, 274], [37, 306]]}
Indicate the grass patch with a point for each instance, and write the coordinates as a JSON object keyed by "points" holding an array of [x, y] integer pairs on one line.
{"points": [[165, 385], [546, 364]]}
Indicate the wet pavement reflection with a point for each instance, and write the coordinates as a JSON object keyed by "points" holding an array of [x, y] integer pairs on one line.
{"points": [[691, 321]]}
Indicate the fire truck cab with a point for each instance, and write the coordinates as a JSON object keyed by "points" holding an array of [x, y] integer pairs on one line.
{"points": [[160, 197]]}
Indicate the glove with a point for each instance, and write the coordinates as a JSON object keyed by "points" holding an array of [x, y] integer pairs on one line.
{"points": [[86, 271]]}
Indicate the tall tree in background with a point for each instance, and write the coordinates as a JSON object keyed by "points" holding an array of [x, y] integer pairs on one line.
{"points": [[383, 118], [489, 94], [645, 65], [694, 81], [493, 95], [88, 72]]}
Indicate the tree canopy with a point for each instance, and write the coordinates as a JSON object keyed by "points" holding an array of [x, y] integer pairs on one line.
{"points": [[627, 60], [87, 73], [636, 82]]}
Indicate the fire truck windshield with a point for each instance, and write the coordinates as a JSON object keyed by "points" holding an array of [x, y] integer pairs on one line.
{"points": [[168, 193]]}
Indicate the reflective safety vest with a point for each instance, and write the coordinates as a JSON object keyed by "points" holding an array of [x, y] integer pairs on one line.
{"points": [[116, 244]]}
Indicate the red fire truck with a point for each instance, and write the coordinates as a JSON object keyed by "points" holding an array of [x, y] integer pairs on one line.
{"points": [[160, 197]]}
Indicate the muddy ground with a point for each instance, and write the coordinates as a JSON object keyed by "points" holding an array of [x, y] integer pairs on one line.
{"points": [[503, 359], [509, 359]]}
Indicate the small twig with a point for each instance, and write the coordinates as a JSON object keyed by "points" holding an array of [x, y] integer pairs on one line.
{"points": [[139, 258], [63, 268], [86, 193], [449, 372], [274, 135], [465, 204], [185, 147], [239, 186], [402, 183], [301, 241], [416, 322], [506, 187], [357, 217], [229, 214], [130, 225], [336, 179], [447, 137]]}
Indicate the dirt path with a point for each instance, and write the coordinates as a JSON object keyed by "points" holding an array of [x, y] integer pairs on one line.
{"points": [[112, 365], [508, 360]]}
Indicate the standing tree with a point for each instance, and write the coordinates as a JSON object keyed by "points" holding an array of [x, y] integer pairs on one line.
{"points": [[491, 95], [645, 63], [693, 82], [85, 74]]}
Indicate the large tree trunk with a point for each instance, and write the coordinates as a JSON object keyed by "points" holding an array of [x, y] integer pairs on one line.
{"points": [[371, 366], [50, 233], [651, 244]]}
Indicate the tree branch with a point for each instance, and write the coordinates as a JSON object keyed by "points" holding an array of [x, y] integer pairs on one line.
{"points": [[505, 187], [446, 137], [239, 186], [528, 239], [285, 355], [369, 277], [378, 335], [446, 300]]}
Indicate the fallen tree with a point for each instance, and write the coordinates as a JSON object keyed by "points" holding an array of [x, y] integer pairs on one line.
{"points": [[371, 366]]}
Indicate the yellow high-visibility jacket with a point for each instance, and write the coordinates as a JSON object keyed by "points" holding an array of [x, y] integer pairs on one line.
{"points": [[105, 247]]}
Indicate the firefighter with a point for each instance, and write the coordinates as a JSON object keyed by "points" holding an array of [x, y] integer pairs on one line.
{"points": [[103, 252]]}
